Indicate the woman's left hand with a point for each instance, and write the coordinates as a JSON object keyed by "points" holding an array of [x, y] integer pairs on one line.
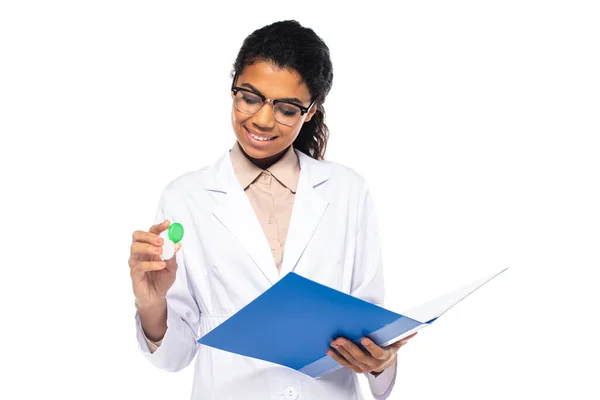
{"points": [[375, 361]]}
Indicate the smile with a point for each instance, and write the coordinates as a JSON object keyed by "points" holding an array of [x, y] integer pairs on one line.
{"points": [[259, 138]]}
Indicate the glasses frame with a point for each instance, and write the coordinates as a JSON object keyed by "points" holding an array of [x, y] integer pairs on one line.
{"points": [[303, 110]]}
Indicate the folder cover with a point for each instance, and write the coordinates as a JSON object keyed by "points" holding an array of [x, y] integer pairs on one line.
{"points": [[294, 321]]}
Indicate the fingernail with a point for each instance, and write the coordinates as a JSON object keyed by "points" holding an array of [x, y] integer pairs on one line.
{"points": [[158, 241], [334, 345]]}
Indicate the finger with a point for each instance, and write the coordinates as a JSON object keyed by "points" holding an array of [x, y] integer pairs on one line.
{"points": [[342, 361], [357, 362], [376, 351], [145, 266], [406, 339], [357, 353], [396, 346], [139, 249], [147, 237], [158, 228], [402, 342]]}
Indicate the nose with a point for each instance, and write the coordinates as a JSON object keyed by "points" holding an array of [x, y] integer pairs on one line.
{"points": [[264, 116]]}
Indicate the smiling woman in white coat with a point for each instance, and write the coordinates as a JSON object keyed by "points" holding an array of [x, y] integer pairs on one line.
{"points": [[268, 206]]}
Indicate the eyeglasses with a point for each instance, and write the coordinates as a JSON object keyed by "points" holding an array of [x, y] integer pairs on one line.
{"points": [[249, 102]]}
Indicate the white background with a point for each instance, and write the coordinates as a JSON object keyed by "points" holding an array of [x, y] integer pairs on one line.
{"points": [[475, 123]]}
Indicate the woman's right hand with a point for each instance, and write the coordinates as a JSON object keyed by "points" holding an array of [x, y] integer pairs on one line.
{"points": [[150, 275]]}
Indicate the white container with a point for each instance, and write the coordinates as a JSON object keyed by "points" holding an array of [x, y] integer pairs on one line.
{"points": [[168, 246]]}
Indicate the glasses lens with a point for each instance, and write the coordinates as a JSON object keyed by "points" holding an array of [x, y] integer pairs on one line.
{"points": [[286, 114], [250, 103], [247, 102]]}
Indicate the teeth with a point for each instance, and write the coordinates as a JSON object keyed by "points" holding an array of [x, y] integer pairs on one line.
{"points": [[260, 138]]}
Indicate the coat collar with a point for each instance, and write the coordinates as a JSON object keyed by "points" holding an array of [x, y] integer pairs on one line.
{"points": [[223, 176], [235, 212]]}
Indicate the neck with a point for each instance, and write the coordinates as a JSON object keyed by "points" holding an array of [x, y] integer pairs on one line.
{"points": [[264, 163]]}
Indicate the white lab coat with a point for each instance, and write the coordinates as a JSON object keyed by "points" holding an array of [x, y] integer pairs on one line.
{"points": [[225, 262]]}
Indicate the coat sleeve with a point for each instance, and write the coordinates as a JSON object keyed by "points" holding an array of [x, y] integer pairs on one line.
{"points": [[367, 279], [178, 347]]}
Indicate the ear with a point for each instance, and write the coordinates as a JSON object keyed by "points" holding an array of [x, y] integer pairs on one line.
{"points": [[312, 112]]}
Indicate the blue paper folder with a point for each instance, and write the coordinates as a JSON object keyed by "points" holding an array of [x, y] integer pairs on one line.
{"points": [[295, 320]]}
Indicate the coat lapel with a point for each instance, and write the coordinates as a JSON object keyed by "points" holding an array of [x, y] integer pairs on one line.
{"points": [[236, 214], [307, 211]]}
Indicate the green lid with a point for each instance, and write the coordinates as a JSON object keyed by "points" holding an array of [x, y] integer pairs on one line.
{"points": [[175, 232]]}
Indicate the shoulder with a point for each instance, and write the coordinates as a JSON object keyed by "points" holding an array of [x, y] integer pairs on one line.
{"points": [[190, 182], [336, 173], [347, 176]]}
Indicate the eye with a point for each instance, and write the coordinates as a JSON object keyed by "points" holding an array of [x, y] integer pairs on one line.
{"points": [[250, 99], [287, 110]]}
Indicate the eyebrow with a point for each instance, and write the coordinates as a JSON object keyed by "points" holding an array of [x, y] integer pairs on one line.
{"points": [[292, 99]]}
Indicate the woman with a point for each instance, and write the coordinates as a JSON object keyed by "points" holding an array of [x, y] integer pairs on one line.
{"points": [[237, 212]]}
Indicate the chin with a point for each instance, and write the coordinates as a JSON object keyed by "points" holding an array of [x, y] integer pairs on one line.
{"points": [[256, 154]]}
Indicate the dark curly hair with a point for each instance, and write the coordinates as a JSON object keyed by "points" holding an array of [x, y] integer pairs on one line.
{"points": [[289, 45]]}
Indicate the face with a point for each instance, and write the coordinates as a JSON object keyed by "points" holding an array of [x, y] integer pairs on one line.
{"points": [[273, 83]]}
